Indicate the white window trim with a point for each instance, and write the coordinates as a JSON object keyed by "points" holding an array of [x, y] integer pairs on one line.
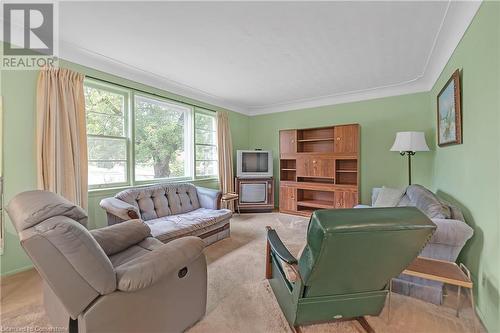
{"points": [[212, 114], [126, 116], [129, 109]]}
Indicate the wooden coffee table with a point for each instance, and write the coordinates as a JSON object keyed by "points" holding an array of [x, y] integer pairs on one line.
{"points": [[441, 271]]}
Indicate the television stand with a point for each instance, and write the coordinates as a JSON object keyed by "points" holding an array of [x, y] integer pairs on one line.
{"points": [[255, 194]]}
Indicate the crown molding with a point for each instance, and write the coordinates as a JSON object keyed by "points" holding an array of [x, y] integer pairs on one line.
{"points": [[88, 58], [456, 20]]}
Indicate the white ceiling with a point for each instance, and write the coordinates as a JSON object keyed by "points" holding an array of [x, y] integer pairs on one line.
{"points": [[261, 57]]}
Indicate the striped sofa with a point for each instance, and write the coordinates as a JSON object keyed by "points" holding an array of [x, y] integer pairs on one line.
{"points": [[172, 210]]}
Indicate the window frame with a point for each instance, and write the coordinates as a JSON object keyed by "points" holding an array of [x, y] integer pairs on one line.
{"points": [[211, 114], [129, 136], [187, 136], [126, 124]]}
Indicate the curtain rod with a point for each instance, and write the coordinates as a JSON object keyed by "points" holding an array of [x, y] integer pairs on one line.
{"points": [[147, 92]]}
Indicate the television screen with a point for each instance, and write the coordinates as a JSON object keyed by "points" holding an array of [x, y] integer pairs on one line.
{"points": [[254, 162]]}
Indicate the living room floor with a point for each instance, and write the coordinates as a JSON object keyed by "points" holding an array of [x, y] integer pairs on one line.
{"points": [[239, 297]]}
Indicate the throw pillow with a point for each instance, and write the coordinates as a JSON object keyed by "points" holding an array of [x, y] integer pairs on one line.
{"points": [[427, 202], [389, 197]]}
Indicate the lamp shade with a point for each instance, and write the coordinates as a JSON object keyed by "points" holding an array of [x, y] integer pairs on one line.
{"points": [[410, 141]]}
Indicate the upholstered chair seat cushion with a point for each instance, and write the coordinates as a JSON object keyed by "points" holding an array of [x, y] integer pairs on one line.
{"points": [[148, 269], [173, 226]]}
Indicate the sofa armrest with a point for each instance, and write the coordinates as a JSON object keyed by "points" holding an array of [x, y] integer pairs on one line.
{"points": [[118, 237], [209, 198], [451, 232], [120, 208], [146, 270]]}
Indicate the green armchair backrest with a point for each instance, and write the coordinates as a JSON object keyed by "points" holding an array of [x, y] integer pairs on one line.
{"points": [[349, 259], [360, 250]]}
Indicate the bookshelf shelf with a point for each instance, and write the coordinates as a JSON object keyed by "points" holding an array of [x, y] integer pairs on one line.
{"points": [[319, 168]]}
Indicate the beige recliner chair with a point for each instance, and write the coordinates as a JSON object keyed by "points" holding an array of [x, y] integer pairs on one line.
{"points": [[114, 279]]}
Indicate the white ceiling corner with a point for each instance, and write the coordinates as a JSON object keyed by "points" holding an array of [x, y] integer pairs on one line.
{"points": [[264, 57]]}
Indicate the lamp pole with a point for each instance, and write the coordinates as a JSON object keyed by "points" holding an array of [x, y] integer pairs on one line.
{"points": [[410, 154]]}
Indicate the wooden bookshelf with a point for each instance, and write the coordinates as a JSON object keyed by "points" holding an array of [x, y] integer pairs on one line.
{"points": [[319, 168]]}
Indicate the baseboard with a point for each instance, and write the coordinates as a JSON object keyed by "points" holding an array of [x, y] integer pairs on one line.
{"points": [[482, 320], [17, 270]]}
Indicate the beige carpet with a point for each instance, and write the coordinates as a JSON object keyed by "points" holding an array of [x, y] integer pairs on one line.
{"points": [[240, 299]]}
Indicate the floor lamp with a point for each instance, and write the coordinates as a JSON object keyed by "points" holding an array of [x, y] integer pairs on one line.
{"points": [[407, 143]]}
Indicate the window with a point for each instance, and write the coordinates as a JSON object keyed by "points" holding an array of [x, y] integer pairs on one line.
{"points": [[205, 144], [161, 139], [106, 135], [134, 138]]}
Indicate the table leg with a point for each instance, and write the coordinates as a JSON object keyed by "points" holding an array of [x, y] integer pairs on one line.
{"points": [[458, 301], [238, 205], [474, 318]]}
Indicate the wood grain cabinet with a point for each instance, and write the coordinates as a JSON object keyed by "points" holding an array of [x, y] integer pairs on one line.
{"points": [[345, 199], [346, 139], [288, 142], [319, 168], [288, 196], [316, 167]]}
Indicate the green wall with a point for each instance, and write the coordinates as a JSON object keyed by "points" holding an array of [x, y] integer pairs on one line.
{"points": [[469, 174], [18, 89], [380, 119]]}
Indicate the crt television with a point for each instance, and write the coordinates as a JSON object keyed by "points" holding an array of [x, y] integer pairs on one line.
{"points": [[254, 163]]}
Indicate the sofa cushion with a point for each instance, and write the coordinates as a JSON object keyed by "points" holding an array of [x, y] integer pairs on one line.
{"points": [[173, 226], [162, 200], [389, 197], [405, 201], [427, 202]]}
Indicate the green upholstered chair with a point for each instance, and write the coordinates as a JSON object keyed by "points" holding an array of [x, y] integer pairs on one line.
{"points": [[347, 263]]}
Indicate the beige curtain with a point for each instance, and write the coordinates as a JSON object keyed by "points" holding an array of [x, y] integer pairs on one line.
{"points": [[61, 134], [225, 154]]}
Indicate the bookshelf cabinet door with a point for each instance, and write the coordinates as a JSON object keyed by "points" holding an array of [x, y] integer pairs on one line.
{"points": [[345, 139], [288, 142], [345, 199], [315, 167], [288, 198]]}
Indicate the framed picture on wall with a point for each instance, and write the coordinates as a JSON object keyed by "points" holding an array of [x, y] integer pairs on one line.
{"points": [[449, 112]]}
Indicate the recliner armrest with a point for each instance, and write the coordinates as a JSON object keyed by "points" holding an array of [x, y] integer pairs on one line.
{"points": [[118, 237], [120, 208], [146, 270], [278, 248], [209, 198]]}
